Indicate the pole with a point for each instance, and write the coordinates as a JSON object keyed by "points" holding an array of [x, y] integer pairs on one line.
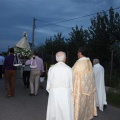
{"points": [[33, 34]]}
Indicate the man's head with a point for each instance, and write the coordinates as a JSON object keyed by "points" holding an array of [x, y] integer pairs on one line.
{"points": [[82, 52], [36, 53], [11, 50], [95, 61], [60, 56]]}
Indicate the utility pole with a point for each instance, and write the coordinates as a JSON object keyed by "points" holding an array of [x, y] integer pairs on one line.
{"points": [[33, 34]]}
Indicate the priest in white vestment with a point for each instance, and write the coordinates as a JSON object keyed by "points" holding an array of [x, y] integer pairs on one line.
{"points": [[60, 88], [100, 85]]}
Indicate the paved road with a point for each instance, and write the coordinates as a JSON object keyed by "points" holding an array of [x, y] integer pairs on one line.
{"points": [[25, 107]]}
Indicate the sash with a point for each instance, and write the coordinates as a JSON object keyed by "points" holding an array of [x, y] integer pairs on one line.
{"points": [[35, 65]]}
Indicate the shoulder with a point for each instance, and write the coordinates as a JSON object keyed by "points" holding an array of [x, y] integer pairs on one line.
{"points": [[80, 62], [68, 67], [7, 57], [39, 58]]}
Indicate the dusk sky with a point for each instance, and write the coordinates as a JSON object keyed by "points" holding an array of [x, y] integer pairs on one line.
{"points": [[16, 17]]}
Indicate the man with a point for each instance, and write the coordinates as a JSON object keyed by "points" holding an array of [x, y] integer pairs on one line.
{"points": [[60, 87], [10, 73], [26, 72], [100, 85], [1, 64], [35, 73], [84, 88]]}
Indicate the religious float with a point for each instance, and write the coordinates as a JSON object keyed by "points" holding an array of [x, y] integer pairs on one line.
{"points": [[22, 51]]}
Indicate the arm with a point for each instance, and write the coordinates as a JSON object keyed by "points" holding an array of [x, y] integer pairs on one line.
{"points": [[48, 81]]}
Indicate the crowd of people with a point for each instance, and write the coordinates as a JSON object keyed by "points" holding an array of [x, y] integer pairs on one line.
{"points": [[74, 93], [32, 69]]}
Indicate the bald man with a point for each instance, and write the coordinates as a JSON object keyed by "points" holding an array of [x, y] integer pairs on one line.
{"points": [[60, 87], [100, 85]]}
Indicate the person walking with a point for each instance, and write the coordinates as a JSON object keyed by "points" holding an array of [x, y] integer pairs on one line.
{"points": [[84, 87], [9, 73], [37, 69], [26, 73], [100, 84], [60, 88]]}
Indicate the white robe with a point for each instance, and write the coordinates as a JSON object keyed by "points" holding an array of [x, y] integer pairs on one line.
{"points": [[60, 88], [100, 86]]}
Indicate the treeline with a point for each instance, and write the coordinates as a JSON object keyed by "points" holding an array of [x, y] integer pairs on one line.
{"points": [[102, 38]]}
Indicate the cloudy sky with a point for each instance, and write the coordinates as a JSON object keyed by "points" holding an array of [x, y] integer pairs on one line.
{"points": [[52, 16]]}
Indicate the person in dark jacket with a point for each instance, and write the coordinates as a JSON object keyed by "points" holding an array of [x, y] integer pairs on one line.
{"points": [[26, 73], [9, 72]]}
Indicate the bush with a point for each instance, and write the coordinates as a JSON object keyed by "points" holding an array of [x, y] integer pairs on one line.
{"points": [[113, 98], [115, 81]]}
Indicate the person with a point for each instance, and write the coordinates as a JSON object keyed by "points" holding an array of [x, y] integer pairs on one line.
{"points": [[21, 72], [36, 70], [2, 58], [84, 87], [60, 87], [100, 85], [10, 73], [26, 73]]}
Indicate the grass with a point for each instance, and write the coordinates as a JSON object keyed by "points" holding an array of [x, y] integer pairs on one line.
{"points": [[113, 98]]}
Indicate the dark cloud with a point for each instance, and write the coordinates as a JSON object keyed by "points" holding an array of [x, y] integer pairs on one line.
{"points": [[16, 16]]}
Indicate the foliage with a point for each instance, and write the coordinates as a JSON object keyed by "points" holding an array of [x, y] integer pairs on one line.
{"points": [[115, 82], [78, 37], [102, 38], [23, 53], [103, 33], [51, 46], [113, 98]]}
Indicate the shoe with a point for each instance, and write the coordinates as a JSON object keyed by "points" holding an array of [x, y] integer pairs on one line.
{"points": [[8, 96], [105, 107], [36, 94], [32, 94]]}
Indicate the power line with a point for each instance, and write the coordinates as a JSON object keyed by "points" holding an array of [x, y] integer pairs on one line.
{"points": [[56, 24], [72, 19], [52, 24]]}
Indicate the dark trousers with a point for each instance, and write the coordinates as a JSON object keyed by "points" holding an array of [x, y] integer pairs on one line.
{"points": [[1, 66], [10, 81], [26, 76]]}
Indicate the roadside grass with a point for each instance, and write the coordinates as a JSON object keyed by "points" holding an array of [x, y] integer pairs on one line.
{"points": [[113, 98]]}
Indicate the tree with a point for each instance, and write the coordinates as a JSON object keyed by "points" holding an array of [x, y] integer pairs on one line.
{"points": [[78, 37], [103, 33], [52, 46]]}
